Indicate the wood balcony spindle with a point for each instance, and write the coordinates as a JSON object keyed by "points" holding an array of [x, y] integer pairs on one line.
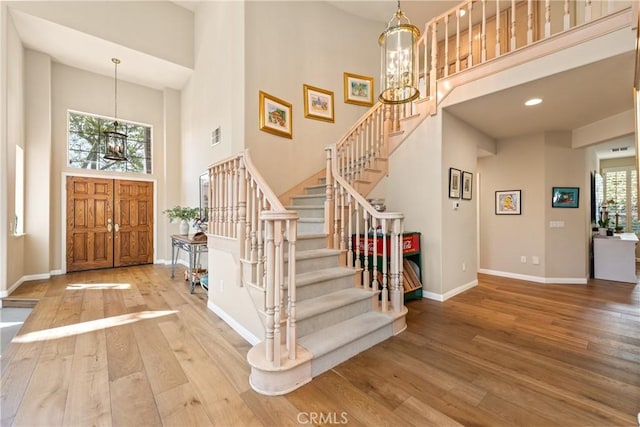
{"points": [[513, 26], [269, 295], [292, 230], [483, 32], [498, 47]]}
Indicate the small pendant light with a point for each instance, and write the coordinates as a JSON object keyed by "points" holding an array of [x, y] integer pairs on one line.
{"points": [[115, 142]]}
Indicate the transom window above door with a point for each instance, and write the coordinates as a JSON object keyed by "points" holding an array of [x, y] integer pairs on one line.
{"points": [[86, 146]]}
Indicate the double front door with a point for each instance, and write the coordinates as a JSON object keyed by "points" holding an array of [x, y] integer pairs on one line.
{"points": [[109, 223]]}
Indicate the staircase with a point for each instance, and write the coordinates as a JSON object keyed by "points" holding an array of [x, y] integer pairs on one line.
{"points": [[336, 316]]}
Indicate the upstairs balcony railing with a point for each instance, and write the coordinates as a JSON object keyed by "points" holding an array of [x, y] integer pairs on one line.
{"points": [[478, 31]]}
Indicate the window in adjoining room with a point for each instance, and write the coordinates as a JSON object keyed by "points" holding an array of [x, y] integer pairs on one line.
{"points": [[86, 147], [621, 188]]}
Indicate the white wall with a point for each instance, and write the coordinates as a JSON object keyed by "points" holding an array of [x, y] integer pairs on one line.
{"points": [[214, 96], [566, 248], [289, 44], [4, 226], [158, 28], [14, 137], [459, 226], [38, 163], [75, 89], [518, 165], [415, 188]]}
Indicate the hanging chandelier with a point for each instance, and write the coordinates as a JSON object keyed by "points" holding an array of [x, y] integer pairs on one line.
{"points": [[115, 142], [399, 54]]}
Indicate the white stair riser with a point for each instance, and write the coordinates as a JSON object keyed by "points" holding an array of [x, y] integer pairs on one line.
{"points": [[308, 201], [314, 264], [309, 244], [328, 318], [327, 361], [317, 212], [318, 189], [323, 287], [310, 227]]}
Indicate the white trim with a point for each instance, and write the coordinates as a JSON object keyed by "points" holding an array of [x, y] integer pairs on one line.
{"points": [[241, 330], [452, 293], [537, 279]]}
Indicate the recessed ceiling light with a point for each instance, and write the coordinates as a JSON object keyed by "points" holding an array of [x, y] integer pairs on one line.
{"points": [[533, 101]]}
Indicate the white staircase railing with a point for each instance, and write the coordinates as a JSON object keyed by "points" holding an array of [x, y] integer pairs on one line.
{"points": [[479, 31], [355, 227], [243, 207]]}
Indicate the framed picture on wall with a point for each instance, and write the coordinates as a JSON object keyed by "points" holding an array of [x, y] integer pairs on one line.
{"points": [[454, 183], [508, 202], [467, 185], [565, 197], [275, 115], [318, 103], [358, 89]]}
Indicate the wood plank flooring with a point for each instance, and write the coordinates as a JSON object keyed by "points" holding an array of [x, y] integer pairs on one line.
{"points": [[132, 347]]}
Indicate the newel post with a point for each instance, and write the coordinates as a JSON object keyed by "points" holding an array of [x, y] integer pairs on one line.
{"points": [[396, 262]]}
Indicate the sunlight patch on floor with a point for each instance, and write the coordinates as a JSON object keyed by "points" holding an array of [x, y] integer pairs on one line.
{"points": [[97, 286], [93, 325]]}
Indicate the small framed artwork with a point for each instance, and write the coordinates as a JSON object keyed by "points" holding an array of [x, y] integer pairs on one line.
{"points": [[275, 115], [204, 197], [318, 103], [454, 183], [565, 197], [467, 185], [358, 89], [508, 202]]}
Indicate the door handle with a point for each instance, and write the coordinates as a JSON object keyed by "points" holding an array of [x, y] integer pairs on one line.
{"points": [[109, 228], [117, 228]]}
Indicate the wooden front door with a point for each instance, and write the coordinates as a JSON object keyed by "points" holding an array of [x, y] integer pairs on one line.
{"points": [[133, 217], [109, 223]]}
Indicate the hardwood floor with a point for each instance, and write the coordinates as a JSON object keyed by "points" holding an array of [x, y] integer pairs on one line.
{"points": [[132, 347]]}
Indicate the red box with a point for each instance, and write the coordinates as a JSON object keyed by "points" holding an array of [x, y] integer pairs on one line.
{"points": [[410, 244]]}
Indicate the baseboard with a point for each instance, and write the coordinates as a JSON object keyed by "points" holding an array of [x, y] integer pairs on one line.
{"points": [[168, 262], [537, 279], [450, 294], [241, 330]]}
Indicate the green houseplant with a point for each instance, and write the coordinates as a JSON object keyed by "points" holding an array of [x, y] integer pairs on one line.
{"points": [[185, 214]]}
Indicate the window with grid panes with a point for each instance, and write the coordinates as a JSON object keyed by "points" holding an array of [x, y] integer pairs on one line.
{"points": [[621, 186], [86, 146]]}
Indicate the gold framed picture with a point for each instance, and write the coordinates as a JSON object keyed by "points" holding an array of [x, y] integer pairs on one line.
{"points": [[358, 89], [275, 115], [318, 103]]}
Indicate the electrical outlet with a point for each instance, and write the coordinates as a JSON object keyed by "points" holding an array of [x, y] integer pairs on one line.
{"points": [[535, 260], [523, 259], [464, 266]]}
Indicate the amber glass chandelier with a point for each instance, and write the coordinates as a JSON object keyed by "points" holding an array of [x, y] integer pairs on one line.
{"points": [[115, 142], [399, 54]]}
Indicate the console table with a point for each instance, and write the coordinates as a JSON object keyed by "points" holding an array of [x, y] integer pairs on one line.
{"points": [[193, 248], [615, 257]]}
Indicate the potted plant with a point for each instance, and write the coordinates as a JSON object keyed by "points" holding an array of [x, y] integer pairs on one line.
{"points": [[603, 224], [184, 214]]}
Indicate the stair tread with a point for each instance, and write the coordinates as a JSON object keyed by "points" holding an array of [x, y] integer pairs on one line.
{"points": [[331, 301], [308, 196], [343, 333], [316, 253], [312, 236], [316, 186], [304, 207], [304, 279]]}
